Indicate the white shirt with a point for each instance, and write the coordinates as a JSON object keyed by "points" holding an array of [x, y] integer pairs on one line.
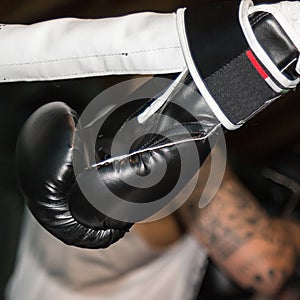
{"points": [[46, 269]]}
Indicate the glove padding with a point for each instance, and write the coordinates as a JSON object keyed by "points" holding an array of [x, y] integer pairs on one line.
{"points": [[44, 162]]}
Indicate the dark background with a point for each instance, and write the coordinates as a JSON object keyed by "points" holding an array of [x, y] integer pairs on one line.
{"points": [[263, 137]]}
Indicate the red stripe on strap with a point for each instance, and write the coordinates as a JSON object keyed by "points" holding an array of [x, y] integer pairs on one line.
{"points": [[256, 64]]}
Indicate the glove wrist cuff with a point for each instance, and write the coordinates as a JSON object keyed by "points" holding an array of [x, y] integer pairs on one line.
{"points": [[237, 74]]}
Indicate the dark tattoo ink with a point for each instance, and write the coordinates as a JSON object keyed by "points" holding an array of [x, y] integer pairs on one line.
{"points": [[271, 273], [258, 278]]}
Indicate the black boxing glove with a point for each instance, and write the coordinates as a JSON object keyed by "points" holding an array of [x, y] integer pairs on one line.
{"points": [[70, 203], [47, 179], [235, 84]]}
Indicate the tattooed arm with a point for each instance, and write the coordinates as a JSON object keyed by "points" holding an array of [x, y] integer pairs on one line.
{"points": [[256, 251]]}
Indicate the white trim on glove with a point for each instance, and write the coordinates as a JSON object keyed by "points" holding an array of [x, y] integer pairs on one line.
{"points": [[142, 43]]}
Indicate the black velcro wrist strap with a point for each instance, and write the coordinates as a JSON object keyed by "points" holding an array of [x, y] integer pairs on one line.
{"points": [[239, 93]]}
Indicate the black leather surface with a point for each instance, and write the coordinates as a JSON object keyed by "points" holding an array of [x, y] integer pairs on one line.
{"points": [[176, 122], [213, 31], [46, 176], [275, 42]]}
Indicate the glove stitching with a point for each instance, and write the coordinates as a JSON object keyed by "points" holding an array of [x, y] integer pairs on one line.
{"points": [[118, 158], [125, 53], [258, 18]]}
